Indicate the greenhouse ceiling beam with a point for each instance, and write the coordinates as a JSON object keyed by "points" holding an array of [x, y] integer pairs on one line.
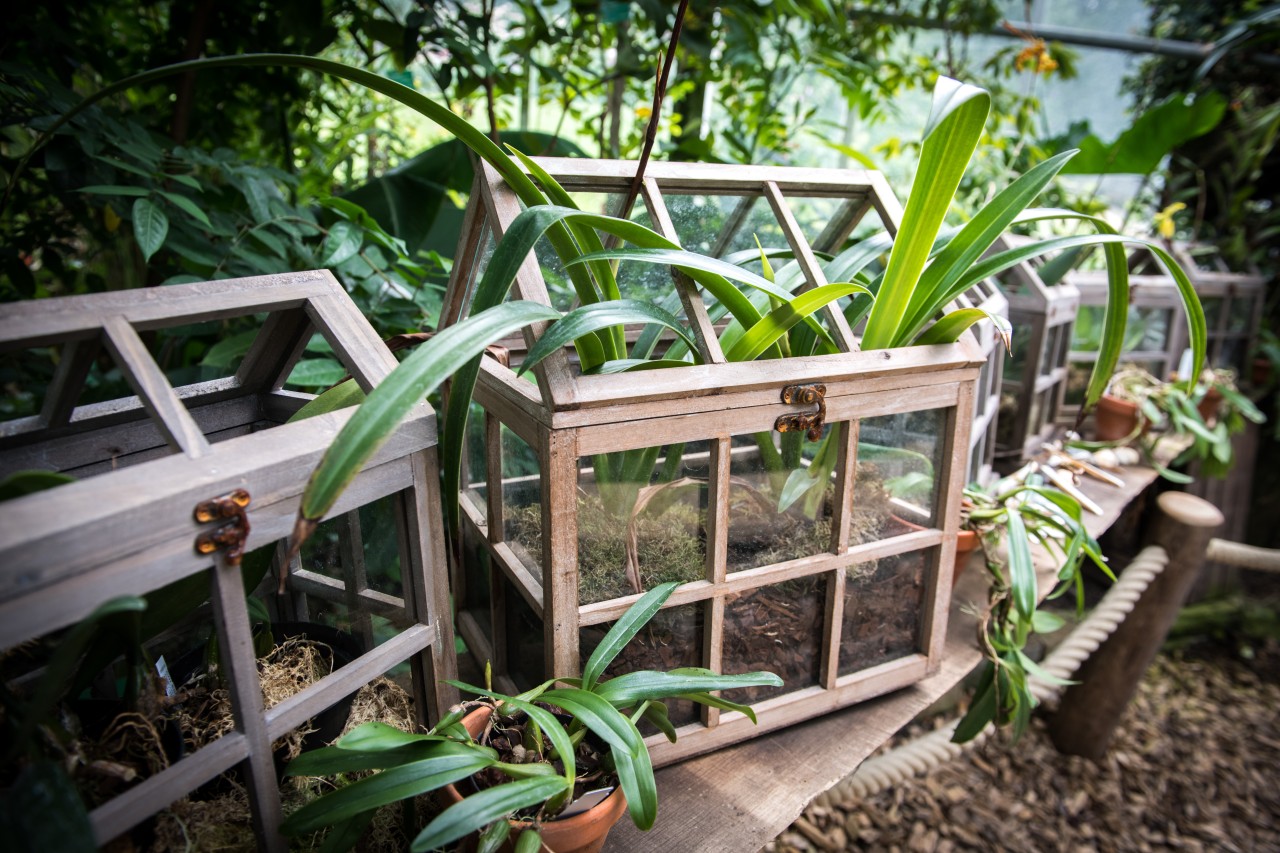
{"points": [[1083, 38]]}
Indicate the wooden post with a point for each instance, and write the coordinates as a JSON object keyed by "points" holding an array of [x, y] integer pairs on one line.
{"points": [[1090, 711]]}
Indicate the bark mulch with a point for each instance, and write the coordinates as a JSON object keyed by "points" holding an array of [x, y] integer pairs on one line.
{"points": [[1195, 765]]}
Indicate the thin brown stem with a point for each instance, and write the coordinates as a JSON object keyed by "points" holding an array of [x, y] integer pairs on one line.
{"points": [[659, 92]]}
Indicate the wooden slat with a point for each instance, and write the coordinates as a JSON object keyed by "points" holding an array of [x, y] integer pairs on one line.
{"points": [[665, 427], [739, 582], [353, 340], [154, 390], [292, 712], [555, 379], [809, 265], [40, 322], [64, 390], [558, 453], [462, 276], [154, 502], [275, 350], [83, 443], [120, 814], [427, 567], [236, 656], [695, 310], [575, 173]]}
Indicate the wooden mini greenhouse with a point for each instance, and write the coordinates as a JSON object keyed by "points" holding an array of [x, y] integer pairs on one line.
{"points": [[1233, 305], [186, 484], [1155, 334], [1035, 378], [987, 296], [583, 490]]}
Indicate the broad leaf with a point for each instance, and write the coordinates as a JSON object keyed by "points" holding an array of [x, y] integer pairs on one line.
{"points": [[388, 786], [623, 631], [481, 809], [150, 226]]}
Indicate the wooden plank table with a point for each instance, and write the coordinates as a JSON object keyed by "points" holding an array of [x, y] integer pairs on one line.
{"points": [[739, 798]]}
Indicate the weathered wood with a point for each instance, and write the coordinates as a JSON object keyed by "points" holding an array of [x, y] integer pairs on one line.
{"points": [[41, 322], [747, 793], [132, 531], [695, 310], [236, 655], [153, 389], [119, 814], [1089, 711]]}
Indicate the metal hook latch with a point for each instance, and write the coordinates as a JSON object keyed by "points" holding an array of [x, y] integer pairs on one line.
{"points": [[231, 535], [803, 395]]}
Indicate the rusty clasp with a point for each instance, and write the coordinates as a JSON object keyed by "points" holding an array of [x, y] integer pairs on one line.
{"points": [[230, 535], [803, 395]]}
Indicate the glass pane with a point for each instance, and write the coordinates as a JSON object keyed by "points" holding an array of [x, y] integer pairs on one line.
{"points": [[780, 497], [720, 225], [1240, 314], [641, 520], [1212, 310], [904, 454], [24, 378], [522, 501], [882, 605], [477, 594], [778, 629], [525, 640], [672, 639], [349, 577], [1016, 365]]}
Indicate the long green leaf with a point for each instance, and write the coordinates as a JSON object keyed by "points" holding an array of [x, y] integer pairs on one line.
{"points": [[482, 808], [776, 323], [1022, 573], [962, 251], [950, 327], [550, 726], [623, 631], [633, 688], [1117, 300], [405, 387], [389, 786], [630, 755], [599, 315], [982, 710], [332, 760], [955, 124]]}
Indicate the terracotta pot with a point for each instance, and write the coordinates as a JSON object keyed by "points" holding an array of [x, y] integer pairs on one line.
{"points": [[1114, 418], [967, 541], [1208, 405], [582, 833], [1260, 371]]}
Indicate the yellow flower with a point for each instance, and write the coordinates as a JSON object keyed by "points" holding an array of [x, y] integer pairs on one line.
{"points": [[1164, 220], [643, 113], [110, 219]]}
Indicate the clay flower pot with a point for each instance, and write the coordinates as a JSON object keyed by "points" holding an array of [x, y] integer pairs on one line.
{"points": [[967, 541], [1114, 418], [1208, 405], [584, 832]]}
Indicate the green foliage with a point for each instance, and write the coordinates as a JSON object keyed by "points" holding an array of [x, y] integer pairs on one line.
{"points": [[1153, 134], [1023, 514], [411, 764]]}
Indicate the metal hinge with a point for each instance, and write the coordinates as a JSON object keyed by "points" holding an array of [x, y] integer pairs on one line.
{"points": [[233, 533], [803, 395]]}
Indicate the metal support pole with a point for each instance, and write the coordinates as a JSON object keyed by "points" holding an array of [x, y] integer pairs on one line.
{"points": [[1090, 711]]}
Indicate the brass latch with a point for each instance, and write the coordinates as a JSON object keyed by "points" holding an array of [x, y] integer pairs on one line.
{"points": [[230, 535], [803, 395]]}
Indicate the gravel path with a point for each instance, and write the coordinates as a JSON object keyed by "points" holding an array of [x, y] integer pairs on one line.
{"points": [[1194, 766]]}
